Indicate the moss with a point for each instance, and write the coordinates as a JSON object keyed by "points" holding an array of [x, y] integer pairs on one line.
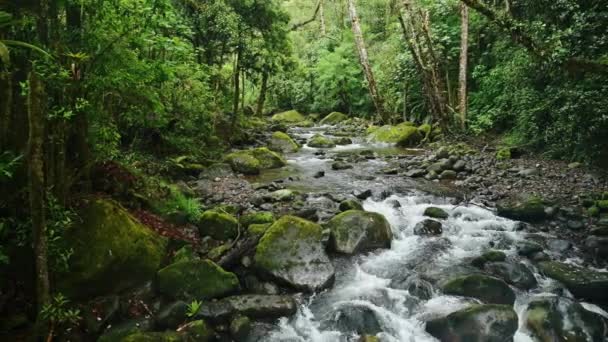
{"points": [[291, 116], [403, 135], [488, 289], [357, 231], [371, 129], [257, 218], [268, 254], [425, 131], [258, 229], [218, 225], [169, 336], [435, 212], [593, 211], [218, 251], [244, 162], [321, 142], [185, 253], [350, 205], [198, 331], [503, 154], [529, 208], [281, 142], [112, 251], [198, 279], [268, 159], [489, 256], [333, 118], [602, 205]]}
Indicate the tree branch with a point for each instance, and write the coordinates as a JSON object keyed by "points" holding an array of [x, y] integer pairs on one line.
{"points": [[304, 23]]}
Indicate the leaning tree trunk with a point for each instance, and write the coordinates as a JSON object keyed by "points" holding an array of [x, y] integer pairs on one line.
{"points": [[464, 51], [36, 105], [262, 99], [364, 60]]}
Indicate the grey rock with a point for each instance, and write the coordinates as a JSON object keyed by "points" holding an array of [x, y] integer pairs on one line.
{"points": [[254, 306], [428, 227]]}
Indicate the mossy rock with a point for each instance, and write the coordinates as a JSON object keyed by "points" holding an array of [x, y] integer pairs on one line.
{"points": [[169, 336], [403, 135], [240, 328], [320, 141], [198, 331], [489, 256], [268, 159], [217, 252], [503, 154], [198, 279], [477, 323], [333, 118], [485, 288], [289, 117], [356, 231], [112, 251], [435, 212], [593, 211], [283, 143], [582, 282], [602, 205], [260, 217], [218, 225], [529, 209], [250, 162], [121, 331], [185, 253], [425, 131], [258, 229], [350, 204], [292, 251]]}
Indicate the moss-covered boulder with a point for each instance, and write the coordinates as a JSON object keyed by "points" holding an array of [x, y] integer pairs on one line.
{"points": [[217, 224], [582, 282], [549, 319], [333, 118], [356, 231], [350, 204], [503, 154], [198, 279], [425, 131], [292, 251], [283, 143], [524, 208], [288, 117], [197, 331], [260, 217], [404, 135], [258, 229], [489, 256], [435, 212], [112, 251], [485, 288], [320, 141], [250, 162], [478, 323], [513, 273]]}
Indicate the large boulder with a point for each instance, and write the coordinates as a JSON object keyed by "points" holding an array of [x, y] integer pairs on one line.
{"points": [[292, 251], [254, 306], [514, 273], [526, 208], [478, 323], [582, 282], [217, 224], [333, 118], [288, 117], [283, 143], [428, 227], [320, 141], [550, 319], [404, 135], [112, 251], [197, 279], [356, 231], [485, 288], [250, 162]]}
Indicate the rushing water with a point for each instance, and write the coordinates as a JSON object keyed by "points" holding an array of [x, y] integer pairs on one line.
{"points": [[366, 290]]}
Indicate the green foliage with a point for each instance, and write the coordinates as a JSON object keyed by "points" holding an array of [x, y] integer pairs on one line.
{"points": [[59, 312], [178, 202], [60, 219], [9, 162], [193, 308]]}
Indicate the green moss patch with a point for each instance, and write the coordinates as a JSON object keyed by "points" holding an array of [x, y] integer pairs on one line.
{"points": [[197, 279]]}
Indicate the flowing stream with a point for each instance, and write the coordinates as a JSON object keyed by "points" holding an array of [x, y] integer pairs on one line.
{"points": [[368, 294]]}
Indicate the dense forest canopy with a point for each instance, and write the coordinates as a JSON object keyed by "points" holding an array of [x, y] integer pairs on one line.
{"points": [[123, 97]]}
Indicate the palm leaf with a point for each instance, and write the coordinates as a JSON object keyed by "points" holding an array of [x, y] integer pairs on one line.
{"points": [[27, 46], [4, 54]]}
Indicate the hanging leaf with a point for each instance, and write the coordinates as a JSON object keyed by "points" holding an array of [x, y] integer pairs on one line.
{"points": [[27, 46], [4, 54]]}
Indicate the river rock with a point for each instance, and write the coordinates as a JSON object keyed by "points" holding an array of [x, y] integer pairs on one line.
{"points": [[582, 282], [559, 246], [489, 256], [254, 306], [292, 251], [261, 217], [459, 166], [283, 143], [112, 251], [288, 117], [218, 224], [404, 135], [363, 194], [597, 246], [415, 173], [320, 141], [171, 316], [355, 231], [436, 213], [122, 330], [198, 279], [350, 204], [343, 141], [428, 227], [529, 209], [197, 331], [355, 319], [415, 285], [478, 323], [559, 319], [516, 274], [448, 174], [528, 248], [333, 118], [240, 328], [283, 195], [485, 288], [250, 162], [339, 165]]}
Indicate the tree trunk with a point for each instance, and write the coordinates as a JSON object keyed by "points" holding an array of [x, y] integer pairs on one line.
{"points": [[322, 16], [464, 51], [243, 78], [237, 82], [262, 99], [364, 60], [6, 103], [36, 115]]}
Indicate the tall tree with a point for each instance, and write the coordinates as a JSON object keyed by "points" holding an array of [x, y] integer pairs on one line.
{"points": [[364, 60], [322, 18], [464, 52]]}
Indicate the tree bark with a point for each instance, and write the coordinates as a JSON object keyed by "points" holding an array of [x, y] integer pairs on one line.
{"points": [[322, 18], [6, 103], [237, 82], [36, 115], [364, 60], [262, 98], [462, 76]]}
